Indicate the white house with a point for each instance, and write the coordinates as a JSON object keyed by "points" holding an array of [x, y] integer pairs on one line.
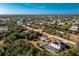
{"points": [[74, 28], [61, 23], [44, 38], [20, 22], [56, 46]]}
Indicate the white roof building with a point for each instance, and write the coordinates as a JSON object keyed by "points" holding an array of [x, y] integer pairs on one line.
{"points": [[43, 38], [20, 22], [54, 46], [3, 28], [74, 28]]}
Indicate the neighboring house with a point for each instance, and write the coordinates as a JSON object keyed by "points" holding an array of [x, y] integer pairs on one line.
{"points": [[75, 23], [3, 28], [19, 22], [24, 21], [44, 38], [61, 23], [74, 28], [29, 22]]}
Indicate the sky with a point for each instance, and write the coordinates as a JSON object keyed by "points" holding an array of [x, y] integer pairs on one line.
{"points": [[39, 8]]}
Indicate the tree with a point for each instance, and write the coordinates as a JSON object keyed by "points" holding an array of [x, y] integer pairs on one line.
{"points": [[70, 52]]}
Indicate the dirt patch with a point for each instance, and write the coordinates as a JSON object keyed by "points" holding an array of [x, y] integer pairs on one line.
{"points": [[2, 44], [74, 38]]}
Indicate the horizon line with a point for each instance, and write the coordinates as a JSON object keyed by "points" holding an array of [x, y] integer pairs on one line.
{"points": [[39, 14]]}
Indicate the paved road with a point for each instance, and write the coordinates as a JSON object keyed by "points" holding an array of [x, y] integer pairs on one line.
{"points": [[49, 35]]}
